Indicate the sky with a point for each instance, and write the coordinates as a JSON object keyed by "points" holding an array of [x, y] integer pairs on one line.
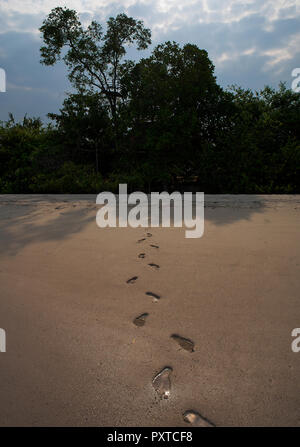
{"points": [[252, 43]]}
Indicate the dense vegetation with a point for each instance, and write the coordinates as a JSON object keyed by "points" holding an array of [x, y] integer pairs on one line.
{"points": [[160, 123]]}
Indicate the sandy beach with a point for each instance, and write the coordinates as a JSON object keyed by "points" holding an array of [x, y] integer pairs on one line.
{"points": [[74, 356]]}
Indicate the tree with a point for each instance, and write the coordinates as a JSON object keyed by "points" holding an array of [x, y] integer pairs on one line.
{"points": [[175, 109], [93, 57], [85, 129], [166, 114], [18, 142]]}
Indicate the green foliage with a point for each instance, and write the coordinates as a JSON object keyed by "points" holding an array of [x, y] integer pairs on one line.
{"points": [[93, 57], [69, 178], [160, 123], [86, 130]]}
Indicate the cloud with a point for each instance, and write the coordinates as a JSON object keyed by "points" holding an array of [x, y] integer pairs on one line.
{"points": [[251, 42], [280, 55], [166, 12], [31, 87]]}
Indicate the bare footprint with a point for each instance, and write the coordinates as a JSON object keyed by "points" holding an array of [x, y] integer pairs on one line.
{"points": [[141, 240], [140, 320], [153, 295], [194, 418], [132, 280], [155, 266], [162, 383], [154, 246], [185, 343], [142, 255]]}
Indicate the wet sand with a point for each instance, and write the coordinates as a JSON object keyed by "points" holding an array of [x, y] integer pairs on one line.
{"points": [[75, 355]]}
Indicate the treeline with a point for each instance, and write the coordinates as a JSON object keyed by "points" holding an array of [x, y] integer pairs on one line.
{"points": [[161, 123]]}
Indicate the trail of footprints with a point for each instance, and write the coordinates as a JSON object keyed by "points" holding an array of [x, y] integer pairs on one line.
{"points": [[162, 380]]}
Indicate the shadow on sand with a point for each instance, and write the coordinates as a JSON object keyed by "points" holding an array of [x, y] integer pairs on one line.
{"points": [[21, 225], [26, 219]]}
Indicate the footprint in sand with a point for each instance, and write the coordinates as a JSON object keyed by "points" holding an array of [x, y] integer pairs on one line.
{"points": [[195, 419], [140, 320], [155, 266], [142, 255], [132, 280], [149, 234], [185, 343], [153, 295], [141, 240], [162, 382], [154, 246]]}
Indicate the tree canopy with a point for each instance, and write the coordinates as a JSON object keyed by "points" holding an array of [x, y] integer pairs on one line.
{"points": [[161, 122]]}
